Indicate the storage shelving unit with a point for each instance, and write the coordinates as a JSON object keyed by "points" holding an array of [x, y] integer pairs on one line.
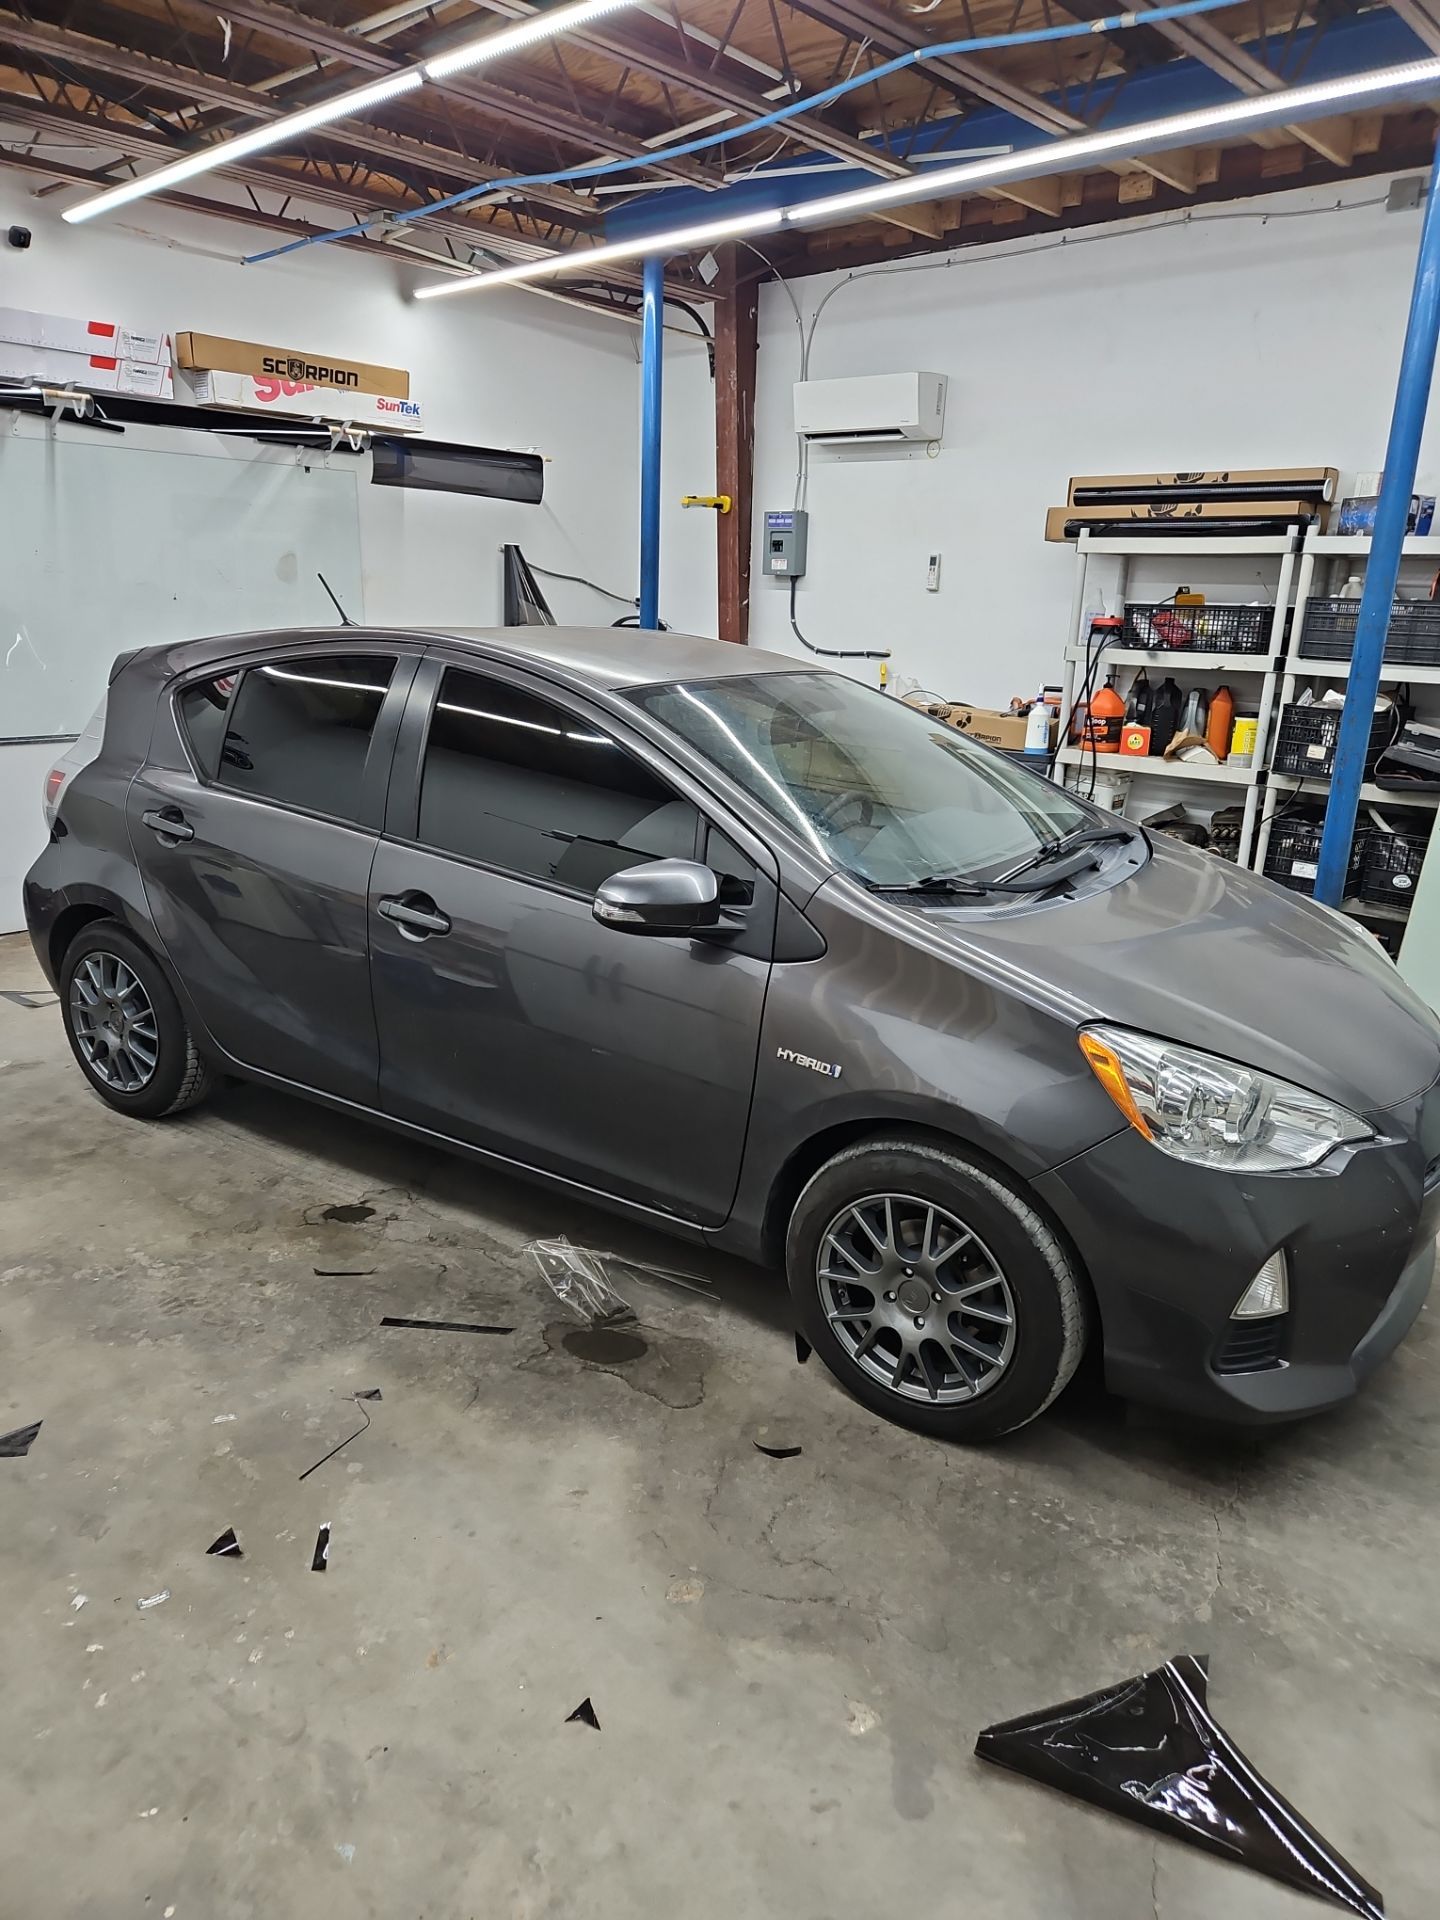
{"points": [[1322, 558], [1246, 668]]}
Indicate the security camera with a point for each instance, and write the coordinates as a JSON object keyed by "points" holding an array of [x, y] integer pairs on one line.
{"points": [[19, 237]]}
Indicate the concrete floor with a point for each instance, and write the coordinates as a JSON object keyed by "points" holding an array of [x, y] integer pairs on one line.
{"points": [[789, 1659]]}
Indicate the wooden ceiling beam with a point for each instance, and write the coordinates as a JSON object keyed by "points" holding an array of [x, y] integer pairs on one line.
{"points": [[337, 43], [711, 81], [1423, 19], [131, 141], [1333, 140], [101, 56], [211, 90], [858, 19]]}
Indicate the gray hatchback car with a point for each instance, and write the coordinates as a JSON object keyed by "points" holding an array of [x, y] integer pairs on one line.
{"points": [[759, 956]]}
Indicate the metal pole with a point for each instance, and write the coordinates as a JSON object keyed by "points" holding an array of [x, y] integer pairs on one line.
{"points": [[652, 369], [1412, 395]]}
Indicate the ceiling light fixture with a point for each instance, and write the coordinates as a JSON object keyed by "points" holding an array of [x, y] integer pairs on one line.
{"points": [[1289, 104], [340, 106]]}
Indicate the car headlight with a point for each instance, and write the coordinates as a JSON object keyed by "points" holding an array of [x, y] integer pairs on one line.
{"points": [[1213, 1112]]}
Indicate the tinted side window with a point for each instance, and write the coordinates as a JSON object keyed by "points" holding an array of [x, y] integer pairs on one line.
{"points": [[202, 709], [735, 871], [300, 729], [520, 783]]}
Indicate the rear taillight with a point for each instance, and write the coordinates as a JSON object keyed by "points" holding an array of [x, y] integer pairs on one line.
{"points": [[54, 782]]}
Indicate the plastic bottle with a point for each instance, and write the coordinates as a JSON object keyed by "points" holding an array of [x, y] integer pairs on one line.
{"points": [[1217, 728], [1196, 714], [1106, 716], [1037, 727], [1164, 715]]}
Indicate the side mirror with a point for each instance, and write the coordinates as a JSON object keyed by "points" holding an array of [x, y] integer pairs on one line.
{"points": [[663, 896]]}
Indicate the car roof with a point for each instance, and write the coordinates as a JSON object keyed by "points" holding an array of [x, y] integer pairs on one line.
{"points": [[624, 656], [608, 658]]}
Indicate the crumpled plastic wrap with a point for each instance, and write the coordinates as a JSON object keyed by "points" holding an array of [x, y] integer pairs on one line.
{"points": [[1150, 1750], [580, 1278]]}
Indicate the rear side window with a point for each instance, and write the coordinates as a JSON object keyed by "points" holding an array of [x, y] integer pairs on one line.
{"points": [[202, 709], [299, 730], [522, 784]]}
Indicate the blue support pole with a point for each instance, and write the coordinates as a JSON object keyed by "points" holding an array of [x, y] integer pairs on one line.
{"points": [[652, 367], [1412, 396]]}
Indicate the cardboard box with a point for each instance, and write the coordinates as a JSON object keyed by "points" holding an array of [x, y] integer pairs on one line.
{"points": [[301, 400], [1190, 516], [19, 327], [94, 372], [210, 353], [1317, 484], [991, 727]]}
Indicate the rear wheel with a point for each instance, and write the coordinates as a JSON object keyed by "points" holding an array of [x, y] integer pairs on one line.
{"points": [[933, 1290], [125, 1026]]}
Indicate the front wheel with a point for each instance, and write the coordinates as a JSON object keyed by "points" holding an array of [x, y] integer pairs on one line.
{"points": [[125, 1026], [933, 1290]]}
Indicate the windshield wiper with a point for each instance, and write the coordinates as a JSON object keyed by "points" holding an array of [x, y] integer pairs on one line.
{"points": [[1068, 843], [931, 883], [1014, 881]]}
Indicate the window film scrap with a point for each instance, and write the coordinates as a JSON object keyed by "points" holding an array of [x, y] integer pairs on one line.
{"points": [[1150, 1750]]}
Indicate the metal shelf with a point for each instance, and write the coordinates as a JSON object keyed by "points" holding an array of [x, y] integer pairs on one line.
{"points": [[1196, 544], [1302, 668], [1166, 769], [1189, 660], [1418, 546], [1377, 796]]}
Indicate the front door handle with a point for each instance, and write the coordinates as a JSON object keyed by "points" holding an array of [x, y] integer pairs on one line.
{"points": [[416, 915], [169, 823]]}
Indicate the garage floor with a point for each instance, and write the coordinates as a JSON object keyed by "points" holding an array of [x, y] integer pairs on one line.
{"points": [[789, 1659]]}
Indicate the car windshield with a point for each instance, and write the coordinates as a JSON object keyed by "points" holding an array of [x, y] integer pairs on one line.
{"points": [[886, 792]]}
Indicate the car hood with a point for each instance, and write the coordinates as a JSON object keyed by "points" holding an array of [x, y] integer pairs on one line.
{"points": [[1197, 950]]}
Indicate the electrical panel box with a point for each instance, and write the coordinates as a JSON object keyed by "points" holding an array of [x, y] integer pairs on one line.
{"points": [[785, 541]]}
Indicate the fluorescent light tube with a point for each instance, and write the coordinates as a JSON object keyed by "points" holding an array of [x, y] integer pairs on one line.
{"points": [[340, 106], [1414, 77], [678, 240], [525, 33], [226, 152]]}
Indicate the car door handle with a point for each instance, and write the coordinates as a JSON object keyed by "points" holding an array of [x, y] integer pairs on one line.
{"points": [[169, 823], [416, 915]]}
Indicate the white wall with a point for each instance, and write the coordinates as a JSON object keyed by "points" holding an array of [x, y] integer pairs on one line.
{"points": [[1219, 343], [502, 370]]}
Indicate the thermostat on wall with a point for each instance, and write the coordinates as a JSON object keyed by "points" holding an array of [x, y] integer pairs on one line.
{"points": [[785, 539]]}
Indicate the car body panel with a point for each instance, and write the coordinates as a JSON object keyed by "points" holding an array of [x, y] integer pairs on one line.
{"points": [[1182, 1242], [1202, 952]]}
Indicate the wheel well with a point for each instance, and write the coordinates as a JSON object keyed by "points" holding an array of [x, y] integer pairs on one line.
{"points": [[811, 1155], [67, 925]]}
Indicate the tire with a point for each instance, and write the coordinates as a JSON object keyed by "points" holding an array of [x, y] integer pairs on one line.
{"points": [[1013, 1314], [165, 1073]]}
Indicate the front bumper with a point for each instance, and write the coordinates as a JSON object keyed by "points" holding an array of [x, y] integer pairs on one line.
{"points": [[1170, 1248]]}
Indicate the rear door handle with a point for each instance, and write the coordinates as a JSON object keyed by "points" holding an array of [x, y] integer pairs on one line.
{"points": [[415, 914], [169, 823]]}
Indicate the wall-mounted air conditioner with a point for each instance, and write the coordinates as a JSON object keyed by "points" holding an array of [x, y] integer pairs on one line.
{"points": [[876, 407]]}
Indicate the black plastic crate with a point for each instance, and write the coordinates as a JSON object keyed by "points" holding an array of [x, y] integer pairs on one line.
{"points": [[1293, 854], [1306, 738], [1197, 629], [1411, 640], [1391, 867]]}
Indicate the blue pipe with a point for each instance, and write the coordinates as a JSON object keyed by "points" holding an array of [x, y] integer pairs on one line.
{"points": [[1112, 23], [1407, 423], [652, 369]]}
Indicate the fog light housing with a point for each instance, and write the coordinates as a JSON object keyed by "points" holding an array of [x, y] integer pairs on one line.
{"points": [[1268, 1293]]}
